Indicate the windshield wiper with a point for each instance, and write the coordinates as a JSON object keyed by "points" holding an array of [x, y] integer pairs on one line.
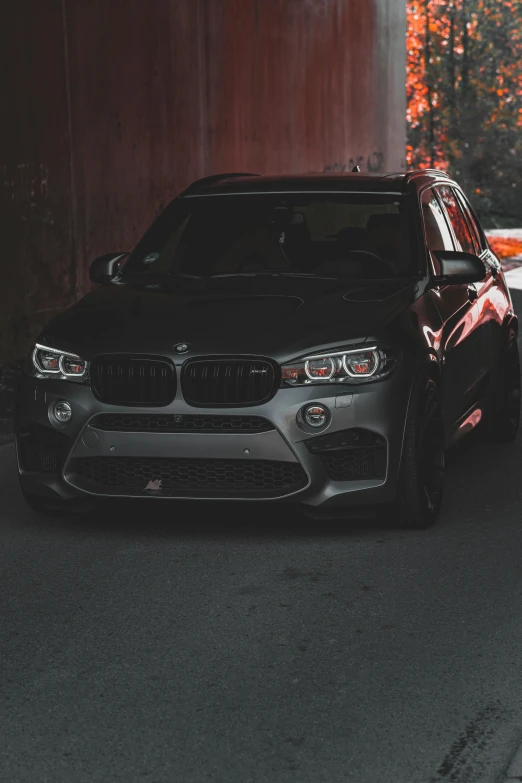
{"points": [[374, 280], [354, 280], [159, 274], [272, 274], [151, 275]]}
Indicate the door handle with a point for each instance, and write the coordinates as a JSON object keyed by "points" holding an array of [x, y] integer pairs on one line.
{"points": [[472, 293]]}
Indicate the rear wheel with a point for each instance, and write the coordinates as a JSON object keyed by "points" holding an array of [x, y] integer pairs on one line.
{"points": [[504, 414], [421, 478]]}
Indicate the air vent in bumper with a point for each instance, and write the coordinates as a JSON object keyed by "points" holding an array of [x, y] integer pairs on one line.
{"points": [[170, 422], [351, 455], [41, 449], [165, 477]]}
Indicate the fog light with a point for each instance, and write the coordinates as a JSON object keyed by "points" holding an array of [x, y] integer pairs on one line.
{"points": [[62, 411], [316, 415]]}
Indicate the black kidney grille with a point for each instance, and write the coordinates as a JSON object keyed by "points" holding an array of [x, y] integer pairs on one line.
{"points": [[170, 477], [186, 422], [122, 380], [228, 382]]}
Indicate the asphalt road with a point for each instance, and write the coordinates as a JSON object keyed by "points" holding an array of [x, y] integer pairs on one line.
{"points": [[184, 646]]}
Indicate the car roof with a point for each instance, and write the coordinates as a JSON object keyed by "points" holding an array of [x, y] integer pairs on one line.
{"points": [[352, 182]]}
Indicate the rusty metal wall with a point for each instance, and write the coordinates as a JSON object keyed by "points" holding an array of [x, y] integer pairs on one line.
{"points": [[115, 105], [36, 248]]}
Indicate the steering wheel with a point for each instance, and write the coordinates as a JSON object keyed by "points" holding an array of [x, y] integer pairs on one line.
{"points": [[382, 264]]}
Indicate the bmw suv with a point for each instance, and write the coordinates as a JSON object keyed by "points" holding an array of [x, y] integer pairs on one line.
{"points": [[319, 340]]}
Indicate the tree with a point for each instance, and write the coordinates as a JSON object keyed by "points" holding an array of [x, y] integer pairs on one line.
{"points": [[464, 91]]}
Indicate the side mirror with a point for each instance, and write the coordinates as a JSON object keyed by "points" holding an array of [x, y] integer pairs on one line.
{"points": [[458, 268], [105, 268]]}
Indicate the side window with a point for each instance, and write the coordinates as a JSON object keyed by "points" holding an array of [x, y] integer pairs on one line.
{"points": [[458, 221], [438, 235], [476, 230]]}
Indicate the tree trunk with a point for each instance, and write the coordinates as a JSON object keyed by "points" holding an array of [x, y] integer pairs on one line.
{"points": [[452, 76], [465, 53], [429, 88]]}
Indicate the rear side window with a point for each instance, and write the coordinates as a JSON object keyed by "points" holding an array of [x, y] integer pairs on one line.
{"points": [[476, 231], [436, 229], [457, 219]]}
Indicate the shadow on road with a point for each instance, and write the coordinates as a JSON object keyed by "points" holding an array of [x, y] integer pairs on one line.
{"points": [[179, 519]]}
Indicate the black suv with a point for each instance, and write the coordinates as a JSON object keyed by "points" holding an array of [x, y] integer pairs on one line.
{"points": [[317, 340]]}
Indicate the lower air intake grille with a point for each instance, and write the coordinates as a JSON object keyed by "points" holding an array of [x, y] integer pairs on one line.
{"points": [[170, 477], [42, 450], [124, 380], [358, 463], [171, 422], [228, 382], [351, 455]]}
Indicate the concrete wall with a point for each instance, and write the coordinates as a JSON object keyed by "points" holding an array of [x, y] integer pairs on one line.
{"points": [[113, 106]]}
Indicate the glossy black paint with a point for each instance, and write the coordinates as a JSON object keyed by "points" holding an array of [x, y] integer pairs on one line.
{"points": [[459, 268]]}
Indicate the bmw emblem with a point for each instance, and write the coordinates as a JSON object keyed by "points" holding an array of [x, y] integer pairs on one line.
{"points": [[182, 348]]}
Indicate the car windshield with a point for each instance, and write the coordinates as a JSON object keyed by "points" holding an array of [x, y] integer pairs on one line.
{"points": [[355, 236]]}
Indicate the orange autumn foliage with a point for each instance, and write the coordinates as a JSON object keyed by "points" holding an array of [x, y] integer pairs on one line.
{"points": [[464, 99], [504, 247]]}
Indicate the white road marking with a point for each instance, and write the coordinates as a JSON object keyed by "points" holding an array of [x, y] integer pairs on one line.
{"points": [[514, 277]]}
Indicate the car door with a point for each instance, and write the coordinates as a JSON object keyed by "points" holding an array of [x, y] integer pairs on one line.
{"points": [[493, 299], [456, 304], [467, 241]]}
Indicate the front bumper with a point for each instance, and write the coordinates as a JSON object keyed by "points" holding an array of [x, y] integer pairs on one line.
{"points": [[278, 464]]}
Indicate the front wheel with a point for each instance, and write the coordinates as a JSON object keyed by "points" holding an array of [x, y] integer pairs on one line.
{"points": [[421, 478]]}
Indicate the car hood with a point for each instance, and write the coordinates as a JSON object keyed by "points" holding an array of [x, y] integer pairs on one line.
{"points": [[276, 319]]}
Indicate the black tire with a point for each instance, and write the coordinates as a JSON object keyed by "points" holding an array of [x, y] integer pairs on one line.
{"points": [[421, 477], [503, 420]]}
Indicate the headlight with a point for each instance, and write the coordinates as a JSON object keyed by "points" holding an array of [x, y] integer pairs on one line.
{"points": [[51, 363], [353, 364]]}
